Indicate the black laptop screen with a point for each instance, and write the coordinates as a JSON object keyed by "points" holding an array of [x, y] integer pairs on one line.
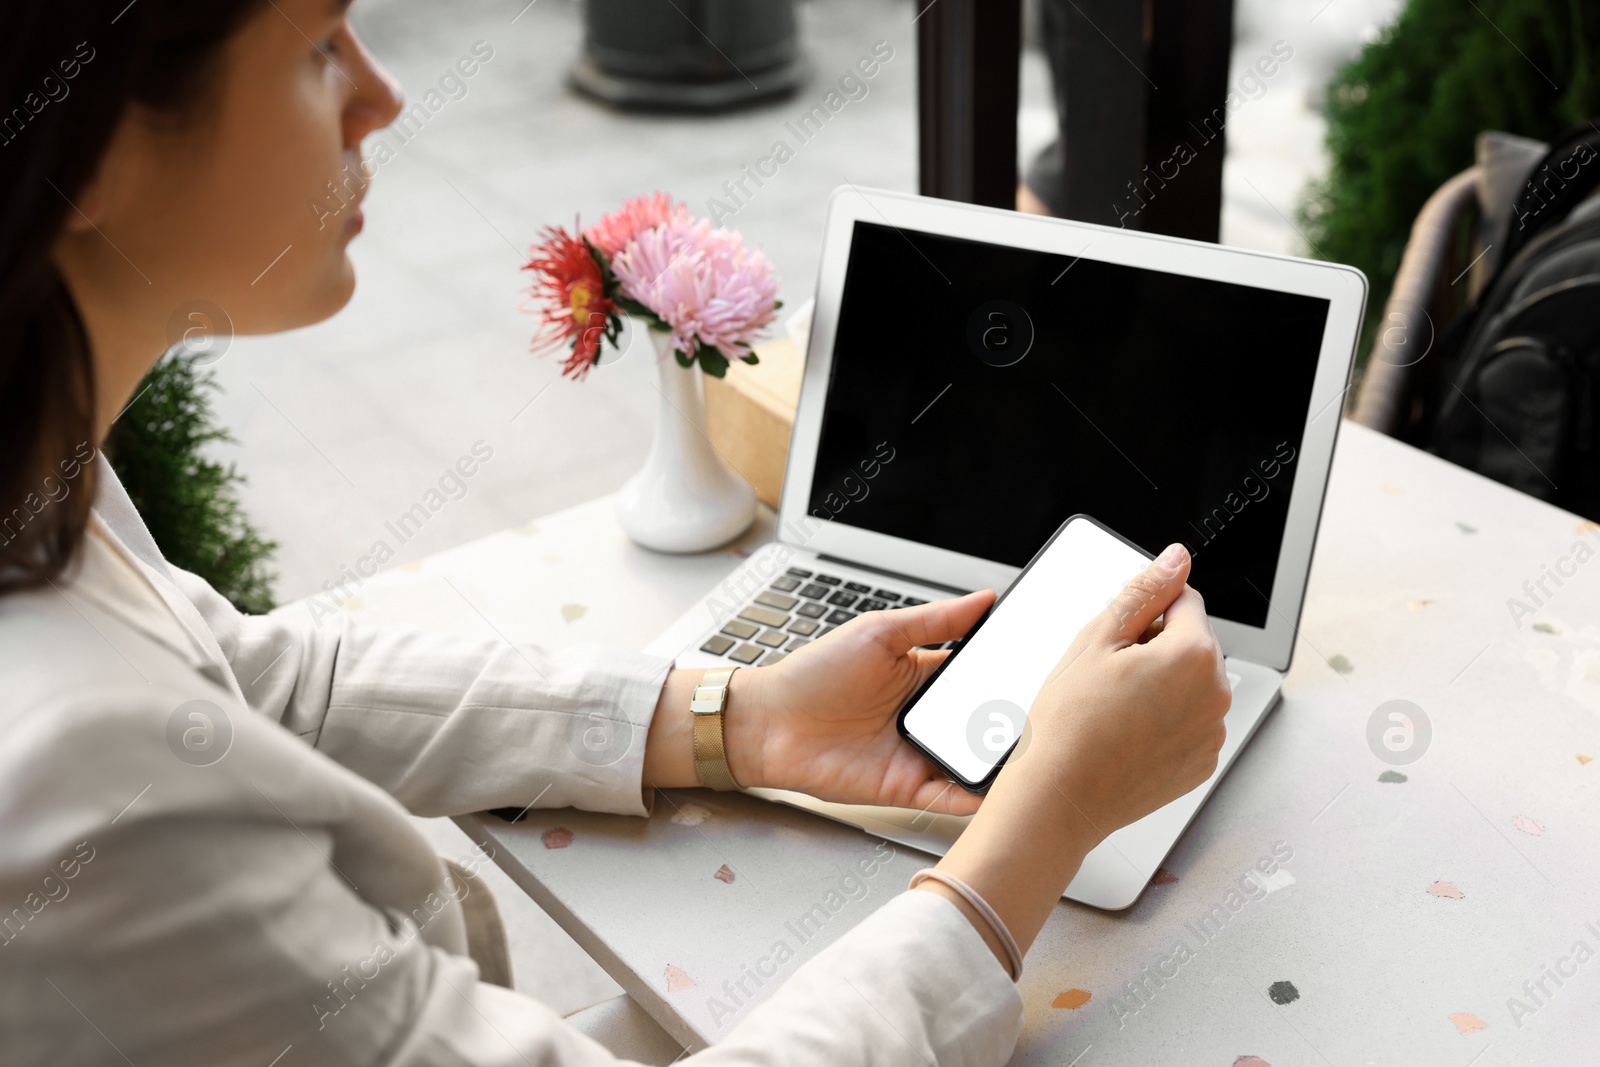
{"points": [[981, 394]]}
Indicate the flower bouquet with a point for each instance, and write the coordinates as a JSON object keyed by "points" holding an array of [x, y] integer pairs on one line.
{"points": [[701, 287], [704, 297]]}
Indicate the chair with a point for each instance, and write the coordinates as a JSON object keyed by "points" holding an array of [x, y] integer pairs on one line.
{"points": [[1425, 298]]}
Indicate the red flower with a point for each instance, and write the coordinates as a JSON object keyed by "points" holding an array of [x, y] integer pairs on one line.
{"points": [[570, 289]]}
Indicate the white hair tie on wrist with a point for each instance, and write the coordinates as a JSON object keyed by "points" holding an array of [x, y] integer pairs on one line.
{"points": [[981, 906]]}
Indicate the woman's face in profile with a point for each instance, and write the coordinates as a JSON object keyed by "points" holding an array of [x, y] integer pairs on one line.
{"points": [[240, 205]]}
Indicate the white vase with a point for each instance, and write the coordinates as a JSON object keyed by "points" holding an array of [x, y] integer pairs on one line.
{"points": [[685, 499]]}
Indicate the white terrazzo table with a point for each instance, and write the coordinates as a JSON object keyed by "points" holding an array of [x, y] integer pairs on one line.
{"points": [[1444, 911]]}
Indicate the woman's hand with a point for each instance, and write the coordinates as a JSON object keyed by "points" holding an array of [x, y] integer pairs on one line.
{"points": [[826, 722], [1130, 719]]}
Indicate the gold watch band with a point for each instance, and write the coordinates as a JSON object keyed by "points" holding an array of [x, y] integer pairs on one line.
{"points": [[710, 753]]}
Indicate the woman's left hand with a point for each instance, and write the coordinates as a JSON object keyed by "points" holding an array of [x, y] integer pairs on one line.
{"points": [[826, 722]]}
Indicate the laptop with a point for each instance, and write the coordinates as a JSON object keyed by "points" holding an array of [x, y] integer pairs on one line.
{"points": [[973, 377]]}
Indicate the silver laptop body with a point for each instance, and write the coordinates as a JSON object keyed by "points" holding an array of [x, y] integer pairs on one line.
{"points": [[833, 555]]}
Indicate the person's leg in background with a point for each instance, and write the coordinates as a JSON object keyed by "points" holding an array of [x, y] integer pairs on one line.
{"points": [[1041, 191]]}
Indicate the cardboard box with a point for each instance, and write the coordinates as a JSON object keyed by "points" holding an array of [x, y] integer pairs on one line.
{"points": [[750, 415]]}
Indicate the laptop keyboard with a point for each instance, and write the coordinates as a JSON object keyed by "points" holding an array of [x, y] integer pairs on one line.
{"points": [[795, 609]]}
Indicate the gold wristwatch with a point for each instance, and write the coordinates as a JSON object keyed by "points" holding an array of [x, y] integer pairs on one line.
{"points": [[710, 754]]}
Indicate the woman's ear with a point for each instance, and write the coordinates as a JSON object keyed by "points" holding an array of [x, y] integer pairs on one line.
{"points": [[92, 202], [89, 206], [90, 210]]}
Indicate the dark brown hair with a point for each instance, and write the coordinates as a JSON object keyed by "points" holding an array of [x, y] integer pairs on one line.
{"points": [[68, 72]]}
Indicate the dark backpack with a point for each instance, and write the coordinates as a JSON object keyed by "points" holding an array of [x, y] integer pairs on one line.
{"points": [[1517, 397]]}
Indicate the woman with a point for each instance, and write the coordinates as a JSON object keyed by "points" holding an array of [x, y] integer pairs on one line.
{"points": [[161, 908]]}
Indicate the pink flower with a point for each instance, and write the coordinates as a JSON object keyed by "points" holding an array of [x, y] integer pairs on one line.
{"points": [[703, 283], [613, 232]]}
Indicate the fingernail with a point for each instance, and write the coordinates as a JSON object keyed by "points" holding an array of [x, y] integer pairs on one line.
{"points": [[1173, 557]]}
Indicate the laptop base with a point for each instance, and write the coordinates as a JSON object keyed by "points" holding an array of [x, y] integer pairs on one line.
{"points": [[1112, 875]]}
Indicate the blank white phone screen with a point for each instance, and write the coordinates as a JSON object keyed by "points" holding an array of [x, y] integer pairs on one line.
{"points": [[976, 707]]}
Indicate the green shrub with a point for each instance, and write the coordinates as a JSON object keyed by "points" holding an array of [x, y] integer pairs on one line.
{"points": [[188, 501], [1404, 114]]}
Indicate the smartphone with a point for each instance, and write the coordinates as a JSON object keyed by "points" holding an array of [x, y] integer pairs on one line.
{"points": [[972, 711]]}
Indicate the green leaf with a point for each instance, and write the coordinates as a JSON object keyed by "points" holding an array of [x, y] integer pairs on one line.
{"points": [[713, 363], [684, 360], [751, 359]]}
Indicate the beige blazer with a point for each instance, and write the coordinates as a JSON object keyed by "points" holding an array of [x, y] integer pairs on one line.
{"points": [[205, 856]]}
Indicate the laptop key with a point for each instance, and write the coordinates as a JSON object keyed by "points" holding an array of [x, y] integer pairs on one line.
{"points": [[798, 572], [798, 642], [716, 644], [857, 587], [746, 653], [842, 600], [742, 630], [804, 627], [786, 584], [840, 616], [820, 634], [868, 604], [912, 601], [812, 610], [772, 657], [776, 600], [765, 616], [772, 638], [884, 594], [828, 579], [814, 591]]}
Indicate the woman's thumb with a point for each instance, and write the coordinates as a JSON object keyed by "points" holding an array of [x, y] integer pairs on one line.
{"points": [[1149, 594], [936, 622]]}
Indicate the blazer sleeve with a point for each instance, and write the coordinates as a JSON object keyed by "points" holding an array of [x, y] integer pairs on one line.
{"points": [[209, 922], [448, 725], [913, 984]]}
